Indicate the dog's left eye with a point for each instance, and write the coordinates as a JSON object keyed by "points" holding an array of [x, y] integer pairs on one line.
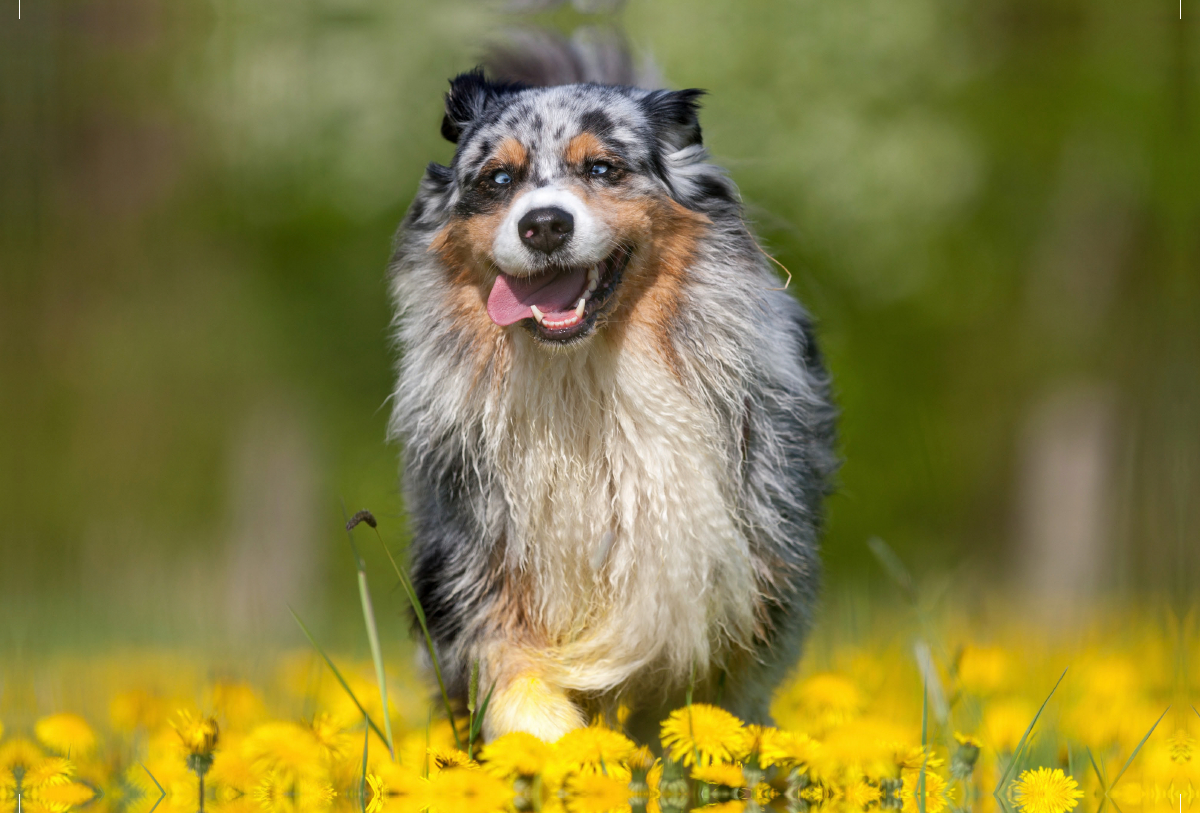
{"points": [[599, 168], [501, 178]]}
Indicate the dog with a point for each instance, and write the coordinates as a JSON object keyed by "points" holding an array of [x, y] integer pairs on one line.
{"points": [[617, 430]]}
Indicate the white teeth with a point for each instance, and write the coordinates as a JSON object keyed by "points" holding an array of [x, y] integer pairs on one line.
{"points": [[579, 307], [537, 314], [592, 285]]}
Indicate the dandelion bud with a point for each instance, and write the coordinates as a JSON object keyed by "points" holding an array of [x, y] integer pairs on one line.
{"points": [[965, 757], [199, 737]]}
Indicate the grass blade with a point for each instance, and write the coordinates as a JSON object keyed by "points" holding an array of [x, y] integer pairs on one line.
{"points": [[162, 793], [1129, 761], [364, 595], [376, 655], [477, 726], [337, 675], [924, 745], [1099, 773], [419, 611], [893, 566], [1024, 737], [362, 785], [472, 696]]}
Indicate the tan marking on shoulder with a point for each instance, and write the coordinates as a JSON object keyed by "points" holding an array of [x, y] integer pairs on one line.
{"points": [[461, 247], [651, 295]]}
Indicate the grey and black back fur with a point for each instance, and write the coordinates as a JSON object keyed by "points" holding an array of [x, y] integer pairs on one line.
{"points": [[616, 427]]}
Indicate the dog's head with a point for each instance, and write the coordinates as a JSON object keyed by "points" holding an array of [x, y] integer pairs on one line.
{"points": [[565, 209]]}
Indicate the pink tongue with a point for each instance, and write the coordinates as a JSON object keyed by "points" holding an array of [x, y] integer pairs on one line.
{"points": [[554, 293]]}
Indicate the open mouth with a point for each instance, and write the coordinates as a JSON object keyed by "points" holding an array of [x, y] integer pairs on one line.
{"points": [[559, 304]]}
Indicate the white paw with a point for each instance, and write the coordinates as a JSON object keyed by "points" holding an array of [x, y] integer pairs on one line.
{"points": [[531, 705]]}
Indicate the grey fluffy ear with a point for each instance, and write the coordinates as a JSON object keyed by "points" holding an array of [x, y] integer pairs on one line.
{"points": [[470, 94], [674, 116]]}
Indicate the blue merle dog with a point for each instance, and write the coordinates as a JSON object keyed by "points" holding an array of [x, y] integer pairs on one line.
{"points": [[617, 429]]}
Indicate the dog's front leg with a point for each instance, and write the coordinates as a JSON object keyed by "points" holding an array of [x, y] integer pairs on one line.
{"points": [[525, 698]]}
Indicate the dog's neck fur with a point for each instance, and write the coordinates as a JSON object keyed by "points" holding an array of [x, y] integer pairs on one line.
{"points": [[615, 492]]}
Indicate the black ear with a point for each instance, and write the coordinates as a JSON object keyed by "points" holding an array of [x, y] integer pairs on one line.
{"points": [[674, 116], [468, 97]]}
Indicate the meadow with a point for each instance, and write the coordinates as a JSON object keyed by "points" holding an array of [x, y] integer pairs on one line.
{"points": [[989, 208], [917, 702]]}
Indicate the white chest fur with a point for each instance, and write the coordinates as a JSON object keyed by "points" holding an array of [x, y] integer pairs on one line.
{"points": [[620, 513]]}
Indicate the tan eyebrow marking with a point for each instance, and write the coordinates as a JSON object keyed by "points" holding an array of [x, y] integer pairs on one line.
{"points": [[582, 147], [511, 154]]}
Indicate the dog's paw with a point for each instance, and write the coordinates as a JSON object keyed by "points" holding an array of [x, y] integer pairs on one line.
{"points": [[531, 705]]}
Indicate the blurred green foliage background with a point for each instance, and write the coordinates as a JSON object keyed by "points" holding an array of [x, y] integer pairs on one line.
{"points": [[990, 207]]}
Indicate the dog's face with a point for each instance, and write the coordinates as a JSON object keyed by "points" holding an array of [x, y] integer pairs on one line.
{"points": [[562, 216]]}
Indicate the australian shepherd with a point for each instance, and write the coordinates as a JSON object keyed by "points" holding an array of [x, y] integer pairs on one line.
{"points": [[616, 427]]}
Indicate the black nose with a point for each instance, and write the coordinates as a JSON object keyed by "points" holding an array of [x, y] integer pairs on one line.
{"points": [[546, 229]]}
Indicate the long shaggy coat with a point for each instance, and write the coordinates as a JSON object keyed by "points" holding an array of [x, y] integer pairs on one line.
{"points": [[616, 499]]}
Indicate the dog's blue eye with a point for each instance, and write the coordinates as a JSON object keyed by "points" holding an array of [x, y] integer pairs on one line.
{"points": [[599, 168], [501, 178]]}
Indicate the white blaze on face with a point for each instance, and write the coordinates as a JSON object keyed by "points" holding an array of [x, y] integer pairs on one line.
{"points": [[591, 241]]}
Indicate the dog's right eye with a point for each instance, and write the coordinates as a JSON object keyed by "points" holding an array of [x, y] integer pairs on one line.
{"points": [[501, 178]]}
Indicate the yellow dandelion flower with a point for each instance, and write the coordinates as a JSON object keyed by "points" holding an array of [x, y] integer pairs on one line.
{"points": [[231, 769], [654, 777], [65, 734], [597, 793], [733, 806], [935, 792], [47, 783], [786, 748], [967, 739], [764, 794], [912, 758], [814, 794], [1183, 748], [730, 776], [464, 790], [752, 740], [334, 741], [19, 754], [198, 734], [376, 793], [441, 759], [588, 749], [710, 732], [865, 746], [412, 748], [822, 701], [830, 691], [515, 754], [301, 793], [1047, 790], [48, 772], [60, 797], [288, 749], [395, 788], [641, 760], [860, 793]]}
